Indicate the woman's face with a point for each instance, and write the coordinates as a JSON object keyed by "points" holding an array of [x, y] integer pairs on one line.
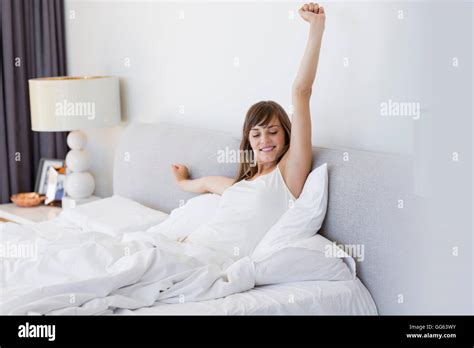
{"points": [[267, 141]]}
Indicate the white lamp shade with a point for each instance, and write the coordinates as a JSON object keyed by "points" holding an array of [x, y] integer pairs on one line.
{"points": [[71, 103]]}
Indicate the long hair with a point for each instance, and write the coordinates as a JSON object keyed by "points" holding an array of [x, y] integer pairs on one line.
{"points": [[260, 114]]}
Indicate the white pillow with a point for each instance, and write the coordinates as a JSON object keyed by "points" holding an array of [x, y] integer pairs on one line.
{"points": [[309, 259], [330, 250], [114, 215], [301, 221], [186, 219]]}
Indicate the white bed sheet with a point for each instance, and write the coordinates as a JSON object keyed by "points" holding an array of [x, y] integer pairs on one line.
{"points": [[102, 275], [299, 298]]}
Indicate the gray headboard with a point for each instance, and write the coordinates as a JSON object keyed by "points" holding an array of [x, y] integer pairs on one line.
{"points": [[368, 195]]}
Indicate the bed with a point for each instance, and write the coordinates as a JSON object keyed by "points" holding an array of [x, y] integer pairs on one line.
{"points": [[363, 191]]}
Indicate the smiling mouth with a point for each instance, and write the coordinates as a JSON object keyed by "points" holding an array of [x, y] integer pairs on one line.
{"points": [[267, 149]]}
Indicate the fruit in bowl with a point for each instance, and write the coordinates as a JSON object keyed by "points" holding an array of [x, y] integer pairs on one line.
{"points": [[27, 199]]}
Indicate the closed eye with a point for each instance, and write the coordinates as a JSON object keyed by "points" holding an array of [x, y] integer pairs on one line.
{"points": [[257, 135]]}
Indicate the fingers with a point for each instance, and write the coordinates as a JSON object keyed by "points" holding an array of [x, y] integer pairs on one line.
{"points": [[176, 167], [321, 10], [312, 7]]}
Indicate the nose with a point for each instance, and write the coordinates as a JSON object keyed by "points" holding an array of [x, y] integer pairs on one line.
{"points": [[264, 138]]}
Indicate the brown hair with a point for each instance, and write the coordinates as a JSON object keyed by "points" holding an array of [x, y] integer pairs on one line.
{"points": [[260, 114]]}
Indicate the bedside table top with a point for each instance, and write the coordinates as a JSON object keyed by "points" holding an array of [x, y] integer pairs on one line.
{"points": [[28, 215]]}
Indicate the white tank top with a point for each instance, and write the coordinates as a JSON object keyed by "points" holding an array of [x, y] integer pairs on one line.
{"points": [[246, 211]]}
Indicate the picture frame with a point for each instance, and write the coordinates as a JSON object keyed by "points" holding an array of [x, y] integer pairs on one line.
{"points": [[42, 177], [56, 178]]}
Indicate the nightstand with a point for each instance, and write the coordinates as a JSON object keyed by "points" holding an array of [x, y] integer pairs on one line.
{"points": [[12, 212]]}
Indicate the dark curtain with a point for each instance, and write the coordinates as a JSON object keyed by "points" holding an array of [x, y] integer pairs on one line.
{"points": [[32, 45]]}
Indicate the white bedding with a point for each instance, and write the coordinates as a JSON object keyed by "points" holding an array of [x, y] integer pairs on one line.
{"points": [[85, 264], [298, 298], [85, 272]]}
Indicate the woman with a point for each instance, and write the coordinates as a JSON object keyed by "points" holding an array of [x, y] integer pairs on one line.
{"points": [[283, 152]]}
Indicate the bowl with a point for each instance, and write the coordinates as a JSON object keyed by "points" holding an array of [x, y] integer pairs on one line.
{"points": [[27, 199]]}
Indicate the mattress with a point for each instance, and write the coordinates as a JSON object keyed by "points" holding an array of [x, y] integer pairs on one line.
{"points": [[299, 298]]}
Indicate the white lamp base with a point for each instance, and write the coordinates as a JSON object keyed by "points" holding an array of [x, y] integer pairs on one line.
{"points": [[80, 184]]}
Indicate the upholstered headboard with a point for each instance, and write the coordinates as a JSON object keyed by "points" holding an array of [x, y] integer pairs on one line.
{"points": [[371, 195]]}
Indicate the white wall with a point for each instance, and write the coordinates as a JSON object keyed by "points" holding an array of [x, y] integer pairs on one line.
{"points": [[177, 63]]}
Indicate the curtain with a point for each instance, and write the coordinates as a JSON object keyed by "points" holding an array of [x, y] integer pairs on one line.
{"points": [[32, 45]]}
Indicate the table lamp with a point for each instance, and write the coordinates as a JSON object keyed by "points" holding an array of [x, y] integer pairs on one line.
{"points": [[73, 104]]}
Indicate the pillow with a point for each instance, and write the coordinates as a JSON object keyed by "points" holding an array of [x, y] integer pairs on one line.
{"points": [[330, 250], [301, 221], [114, 215], [186, 219], [309, 259]]}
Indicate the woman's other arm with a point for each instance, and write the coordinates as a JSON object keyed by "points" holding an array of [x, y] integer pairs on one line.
{"points": [[206, 184]]}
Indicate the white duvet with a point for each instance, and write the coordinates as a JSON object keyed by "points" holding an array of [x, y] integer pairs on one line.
{"points": [[78, 270]]}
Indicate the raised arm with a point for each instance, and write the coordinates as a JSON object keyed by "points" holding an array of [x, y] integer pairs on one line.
{"points": [[297, 161], [206, 184], [316, 17]]}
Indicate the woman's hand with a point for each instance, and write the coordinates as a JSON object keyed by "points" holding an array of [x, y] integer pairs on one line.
{"points": [[313, 14], [180, 172]]}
